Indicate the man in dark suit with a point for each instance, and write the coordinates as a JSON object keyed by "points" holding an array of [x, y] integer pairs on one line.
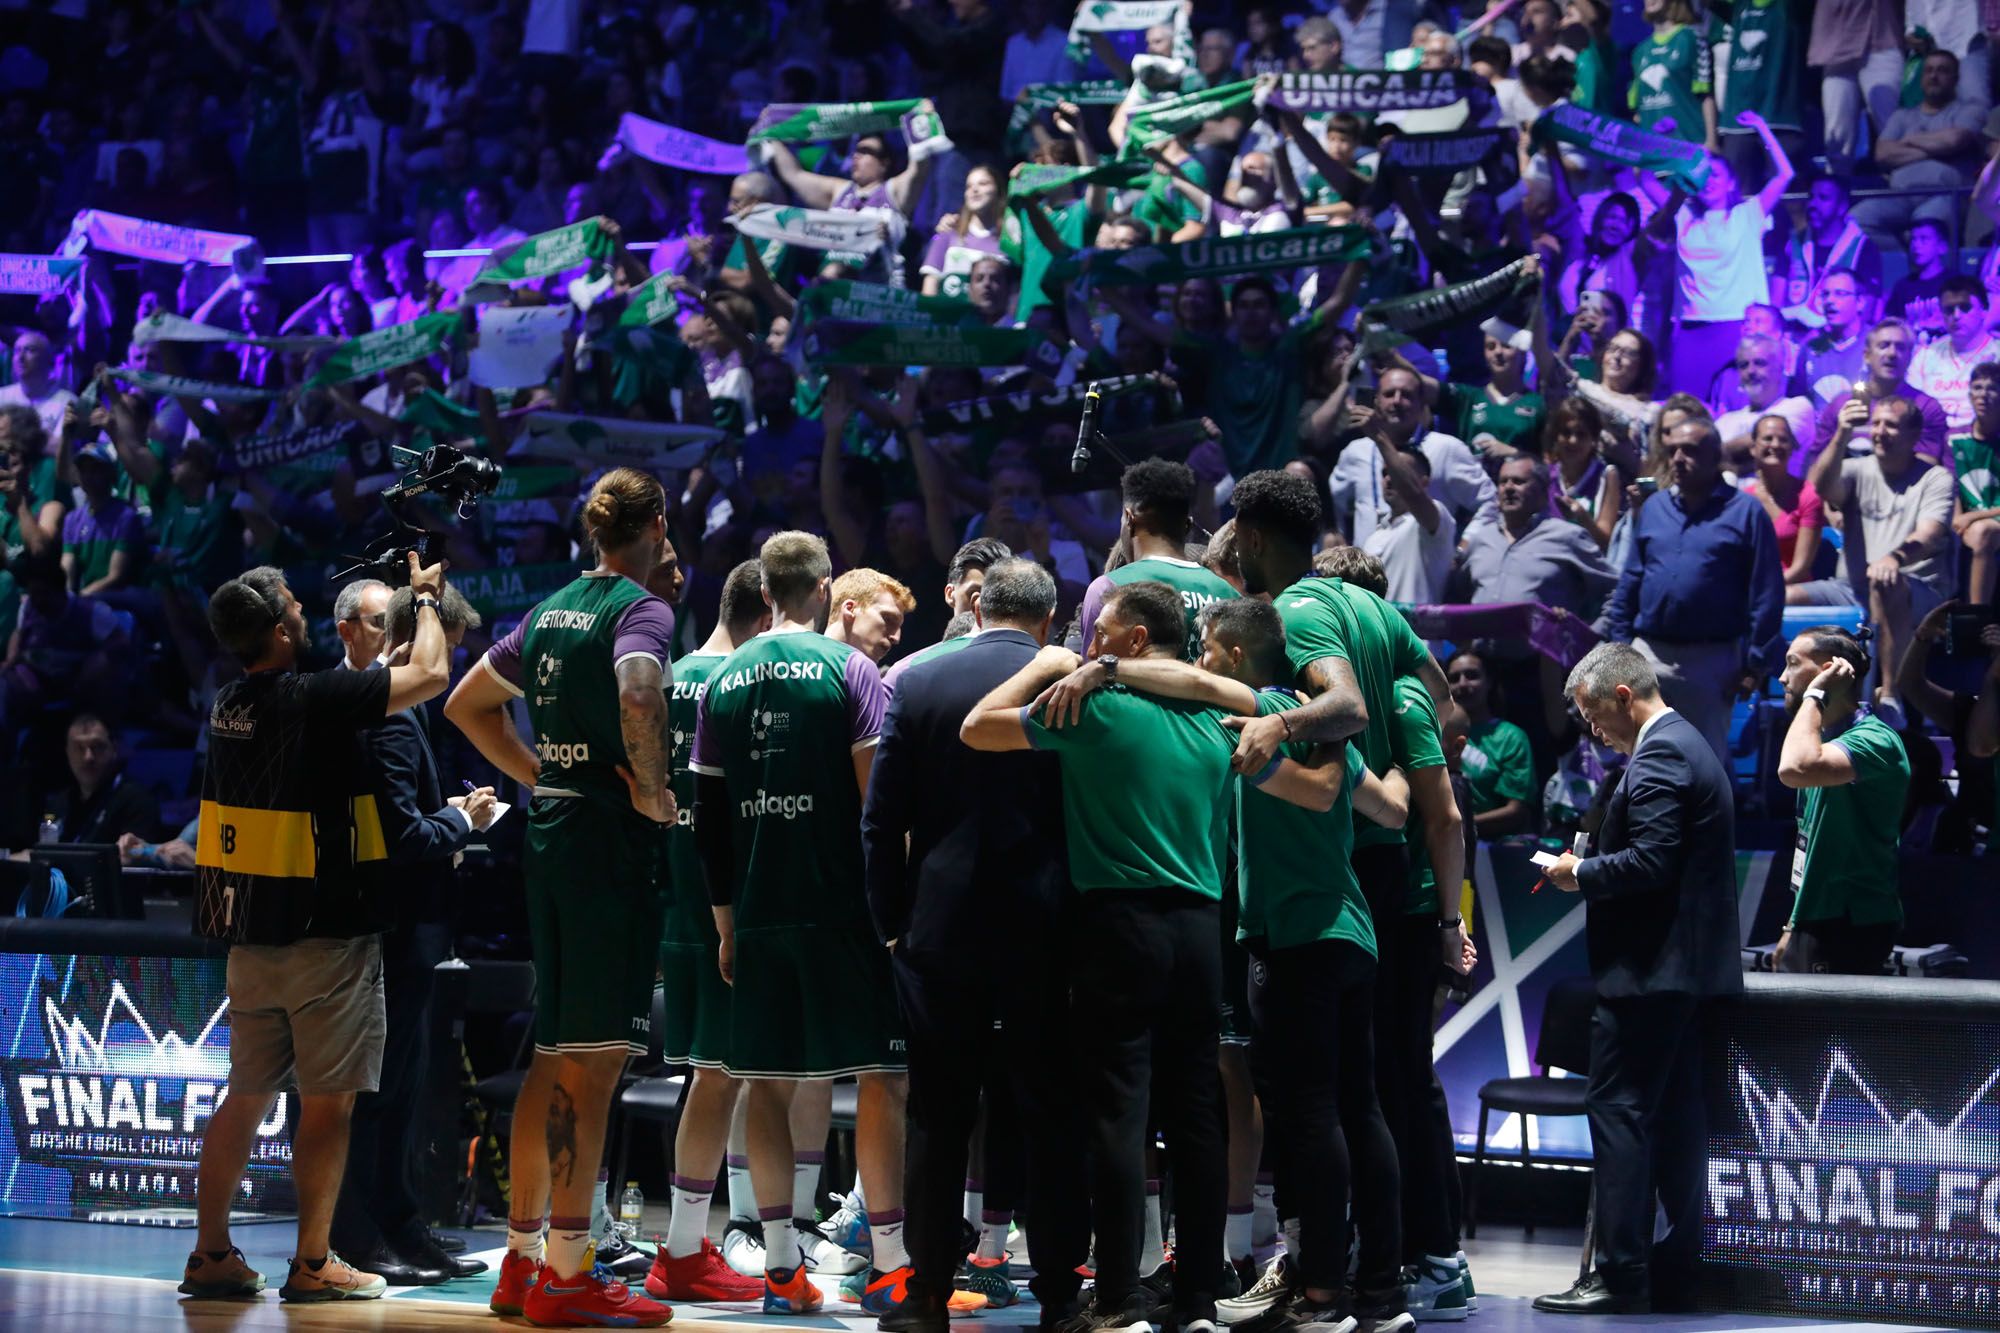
{"points": [[1661, 928], [973, 911], [377, 1224]]}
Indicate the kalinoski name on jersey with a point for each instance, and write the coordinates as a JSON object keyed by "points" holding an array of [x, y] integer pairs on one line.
{"points": [[778, 670]]}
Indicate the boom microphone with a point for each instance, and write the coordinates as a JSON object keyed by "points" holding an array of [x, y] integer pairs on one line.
{"points": [[1086, 430]]}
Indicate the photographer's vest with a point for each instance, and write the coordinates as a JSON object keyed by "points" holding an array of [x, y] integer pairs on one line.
{"points": [[570, 676]]}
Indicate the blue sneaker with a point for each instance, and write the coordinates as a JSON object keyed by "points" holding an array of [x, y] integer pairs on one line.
{"points": [[848, 1228]]}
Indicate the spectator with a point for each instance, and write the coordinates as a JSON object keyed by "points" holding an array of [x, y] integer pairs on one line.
{"points": [[1831, 242], [104, 542], [1891, 348], [1970, 719], [1263, 50], [1531, 555], [1416, 544], [1037, 51], [98, 804], [1702, 592], [1760, 372], [1368, 30], [1835, 359], [1930, 146], [64, 649], [1612, 257], [33, 386], [197, 534], [1457, 479], [967, 235], [1897, 513], [32, 503], [1857, 47], [1503, 417], [1589, 488], [1762, 69], [962, 60], [1672, 88], [1915, 296], [1944, 368], [1497, 762], [1790, 502], [1976, 457]]}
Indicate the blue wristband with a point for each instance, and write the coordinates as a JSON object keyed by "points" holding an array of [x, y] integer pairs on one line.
{"points": [[1269, 769]]}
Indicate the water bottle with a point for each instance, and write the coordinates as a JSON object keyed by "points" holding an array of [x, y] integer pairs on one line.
{"points": [[51, 830], [631, 1207]]}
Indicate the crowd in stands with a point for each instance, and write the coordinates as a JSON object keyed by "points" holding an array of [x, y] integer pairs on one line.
{"points": [[1665, 318]]}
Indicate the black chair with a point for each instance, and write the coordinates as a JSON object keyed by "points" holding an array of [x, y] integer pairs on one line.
{"points": [[1563, 1043], [495, 986], [650, 1092]]}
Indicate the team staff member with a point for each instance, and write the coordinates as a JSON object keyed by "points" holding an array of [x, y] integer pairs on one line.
{"points": [[1660, 924], [282, 830], [1854, 773], [966, 879], [687, 1266], [592, 663], [1145, 806], [784, 743], [1153, 527], [379, 1220]]}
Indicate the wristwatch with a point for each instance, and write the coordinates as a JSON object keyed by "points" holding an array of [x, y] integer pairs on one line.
{"points": [[427, 600], [1816, 694], [1109, 662]]}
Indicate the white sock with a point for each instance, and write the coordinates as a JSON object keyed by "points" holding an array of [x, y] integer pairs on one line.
{"points": [[975, 1202], [781, 1239], [993, 1235], [1264, 1207], [1154, 1252], [885, 1232], [805, 1184], [569, 1241], [742, 1198], [687, 1226], [600, 1208], [1236, 1230], [526, 1237]]}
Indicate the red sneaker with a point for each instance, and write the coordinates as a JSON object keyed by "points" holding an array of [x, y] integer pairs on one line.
{"points": [[701, 1276], [518, 1272], [590, 1300]]}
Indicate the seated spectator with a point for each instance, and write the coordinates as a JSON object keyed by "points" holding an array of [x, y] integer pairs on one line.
{"points": [[1831, 242], [1976, 456], [1970, 718], [1789, 500], [104, 542], [1944, 368], [1934, 145], [1760, 373], [1360, 503], [1531, 555], [1835, 359], [98, 804], [1416, 544], [64, 648], [1886, 362], [34, 385], [1915, 296], [1498, 763], [1896, 510]]}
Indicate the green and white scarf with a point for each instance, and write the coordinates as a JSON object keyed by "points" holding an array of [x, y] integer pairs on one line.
{"points": [[680, 149], [37, 275], [385, 349], [839, 229], [615, 441], [1128, 16], [1009, 411], [1170, 116], [1211, 257], [1390, 323], [1039, 97], [809, 122], [1032, 180], [1439, 154], [1366, 92], [510, 591], [1685, 164], [114, 233], [846, 342], [166, 328], [549, 252], [180, 386], [290, 448]]}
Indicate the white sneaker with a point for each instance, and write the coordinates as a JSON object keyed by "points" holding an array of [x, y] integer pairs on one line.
{"points": [[1266, 1292], [823, 1256], [848, 1227], [743, 1248], [1434, 1290], [1465, 1276]]}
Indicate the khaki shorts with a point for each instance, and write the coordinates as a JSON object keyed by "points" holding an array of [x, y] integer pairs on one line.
{"points": [[306, 1016]]}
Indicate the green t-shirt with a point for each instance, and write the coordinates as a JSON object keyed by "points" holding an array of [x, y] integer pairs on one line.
{"points": [[690, 920], [782, 720], [1765, 64], [1253, 395], [570, 678], [1419, 743], [1475, 412], [1197, 586], [1020, 244], [1845, 864], [1295, 879], [1594, 90], [1327, 617], [1498, 764], [1977, 463], [115, 527], [1166, 209], [42, 489], [1146, 791], [1670, 76], [204, 535]]}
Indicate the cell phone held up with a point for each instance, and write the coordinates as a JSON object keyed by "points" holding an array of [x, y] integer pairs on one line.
{"points": [[1963, 632]]}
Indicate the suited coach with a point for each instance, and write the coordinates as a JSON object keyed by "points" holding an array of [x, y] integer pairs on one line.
{"points": [[377, 1224], [1661, 928], [972, 910]]}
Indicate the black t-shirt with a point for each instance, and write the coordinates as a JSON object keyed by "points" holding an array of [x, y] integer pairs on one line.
{"points": [[288, 825]]}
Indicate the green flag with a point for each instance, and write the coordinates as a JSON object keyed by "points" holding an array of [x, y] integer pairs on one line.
{"points": [[805, 122], [1170, 116], [550, 252], [385, 349], [439, 415], [1039, 97], [179, 386], [1031, 180], [844, 342], [1620, 141], [1390, 323], [1212, 257], [651, 302]]}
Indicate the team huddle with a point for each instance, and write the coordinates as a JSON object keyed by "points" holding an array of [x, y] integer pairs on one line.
{"points": [[1217, 861]]}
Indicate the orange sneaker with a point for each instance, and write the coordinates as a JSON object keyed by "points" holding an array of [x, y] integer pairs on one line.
{"points": [[790, 1291], [518, 1272], [701, 1276], [884, 1292]]}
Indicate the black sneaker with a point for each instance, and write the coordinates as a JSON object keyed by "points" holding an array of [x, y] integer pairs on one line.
{"points": [[1092, 1320], [627, 1261], [1267, 1291], [1155, 1296]]}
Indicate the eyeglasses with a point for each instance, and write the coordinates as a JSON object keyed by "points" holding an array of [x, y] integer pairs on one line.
{"points": [[868, 150], [378, 621]]}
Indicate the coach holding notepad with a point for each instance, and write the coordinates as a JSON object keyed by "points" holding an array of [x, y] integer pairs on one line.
{"points": [[1660, 898]]}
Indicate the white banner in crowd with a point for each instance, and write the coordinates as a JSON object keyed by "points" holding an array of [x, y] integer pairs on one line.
{"points": [[678, 148], [119, 235], [518, 345], [162, 327], [822, 228]]}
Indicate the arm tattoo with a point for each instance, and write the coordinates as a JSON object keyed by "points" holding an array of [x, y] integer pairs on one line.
{"points": [[642, 720], [562, 1136], [1335, 711]]}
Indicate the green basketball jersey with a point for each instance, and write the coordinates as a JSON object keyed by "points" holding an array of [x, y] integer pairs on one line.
{"points": [[1195, 583], [1475, 412], [1499, 765], [570, 678], [1327, 617], [689, 918], [1765, 64], [1670, 76], [1295, 879], [1419, 743], [780, 723]]}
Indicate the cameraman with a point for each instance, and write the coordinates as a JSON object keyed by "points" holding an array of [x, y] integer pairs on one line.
{"points": [[377, 1223], [285, 827]]}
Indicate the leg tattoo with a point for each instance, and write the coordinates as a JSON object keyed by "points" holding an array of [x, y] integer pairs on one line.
{"points": [[562, 1136]]}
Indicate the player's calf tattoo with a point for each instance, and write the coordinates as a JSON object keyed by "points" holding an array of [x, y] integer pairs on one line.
{"points": [[561, 1132]]}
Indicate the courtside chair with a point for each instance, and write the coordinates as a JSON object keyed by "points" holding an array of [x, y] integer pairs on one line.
{"points": [[1563, 1043]]}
